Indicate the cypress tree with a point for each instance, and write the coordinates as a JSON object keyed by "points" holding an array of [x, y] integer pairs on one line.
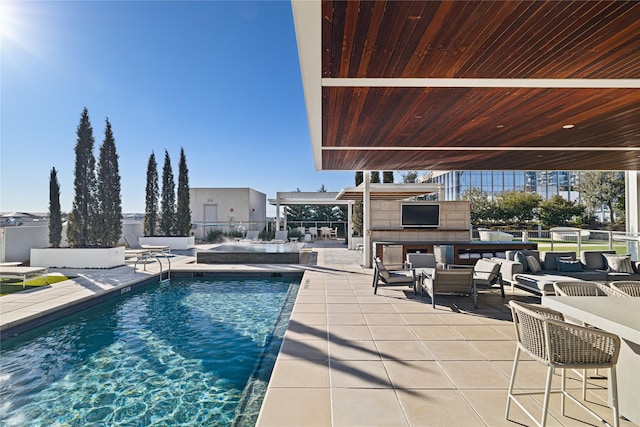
{"points": [[151, 200], [108, 221], [84, 203], [387, 177], [168, 199], [183, 213], [357, 206], [375, 177], [55, 216]]}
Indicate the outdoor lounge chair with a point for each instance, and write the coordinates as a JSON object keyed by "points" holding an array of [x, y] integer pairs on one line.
{"points": [[487, 273], [419, 261], [454, 281], [24, 273], [251, 236], [133, 243], [391, 277], [282, 236]]}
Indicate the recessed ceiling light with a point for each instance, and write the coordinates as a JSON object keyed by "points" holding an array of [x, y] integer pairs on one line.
{"points": [[567, 127], [500, 126]]}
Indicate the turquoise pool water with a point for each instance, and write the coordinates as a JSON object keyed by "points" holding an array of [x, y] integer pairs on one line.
{"points": [[191, 352]]}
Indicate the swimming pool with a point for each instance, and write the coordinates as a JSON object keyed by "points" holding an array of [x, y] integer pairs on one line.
{"points": [[190, 352]]}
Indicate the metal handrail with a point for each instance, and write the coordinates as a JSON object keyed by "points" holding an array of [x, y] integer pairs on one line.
{"points": [[145, 255]]}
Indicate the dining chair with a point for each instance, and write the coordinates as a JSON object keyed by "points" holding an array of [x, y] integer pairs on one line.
{"points": [[333, 233], [313, 231], [543, 334], [580, 288], [628, 288]]}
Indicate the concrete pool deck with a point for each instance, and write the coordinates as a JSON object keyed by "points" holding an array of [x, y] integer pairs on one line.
{"points": [[351, 358]]}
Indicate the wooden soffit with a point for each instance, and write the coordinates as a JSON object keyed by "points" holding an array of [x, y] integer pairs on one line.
{"points": [[450, 85]]}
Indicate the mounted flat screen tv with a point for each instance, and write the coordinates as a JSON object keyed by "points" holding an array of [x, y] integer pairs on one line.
{"points": [[420, 216]]}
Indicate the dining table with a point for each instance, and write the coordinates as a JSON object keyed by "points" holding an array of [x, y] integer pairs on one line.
{"points": [[619, 316]]}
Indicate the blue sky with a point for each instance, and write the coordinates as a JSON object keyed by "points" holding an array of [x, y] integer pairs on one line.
{"points": [[221, 79]]}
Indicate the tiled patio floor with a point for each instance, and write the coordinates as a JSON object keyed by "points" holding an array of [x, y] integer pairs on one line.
{"points": [[351, 358]]}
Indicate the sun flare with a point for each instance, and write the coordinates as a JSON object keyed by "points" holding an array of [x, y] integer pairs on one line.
{"points": [[10, 20], [19, 24]]}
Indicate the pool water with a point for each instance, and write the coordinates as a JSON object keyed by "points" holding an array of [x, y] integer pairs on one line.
{"points": [[190, 352]]}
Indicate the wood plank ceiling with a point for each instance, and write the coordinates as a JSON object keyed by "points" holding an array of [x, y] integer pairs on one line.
{"points": [[519, 70]]}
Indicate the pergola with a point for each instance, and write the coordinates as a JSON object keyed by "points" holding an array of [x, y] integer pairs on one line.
{"points": [[364, 192], [293, 198], [387, 191], [476, 85]]}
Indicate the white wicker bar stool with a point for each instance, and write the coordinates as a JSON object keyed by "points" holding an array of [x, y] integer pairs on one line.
{"points": [[546, 337], [581, 288]]}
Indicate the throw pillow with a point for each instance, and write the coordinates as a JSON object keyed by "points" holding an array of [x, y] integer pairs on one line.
{"points": [[564, 258], [522, 259], [534, 265], [569, 266], [619, 263]]}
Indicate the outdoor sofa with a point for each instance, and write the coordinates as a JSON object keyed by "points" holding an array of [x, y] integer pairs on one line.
{"points": [[558, 266]]}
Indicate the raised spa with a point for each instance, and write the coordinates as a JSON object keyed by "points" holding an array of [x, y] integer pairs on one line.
{"points": [[253, 253]]}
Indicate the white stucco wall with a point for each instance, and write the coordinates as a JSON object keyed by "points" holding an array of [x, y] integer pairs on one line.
{"points": [[16, 242], [234, 206], [258, 210]]}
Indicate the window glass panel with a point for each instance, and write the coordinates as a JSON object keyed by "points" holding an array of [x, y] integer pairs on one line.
{"points": [[487, 185], [464, 179], [498, 183], [476, 179], [509, 182]]}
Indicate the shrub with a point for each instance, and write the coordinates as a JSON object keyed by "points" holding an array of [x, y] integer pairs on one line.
{"points": [[215, 236]]}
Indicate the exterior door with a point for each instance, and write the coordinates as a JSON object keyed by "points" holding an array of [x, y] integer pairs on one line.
{"points": [[210, 218]]}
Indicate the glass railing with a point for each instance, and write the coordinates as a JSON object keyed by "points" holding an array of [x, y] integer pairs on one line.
{"points": [[570, 239]]}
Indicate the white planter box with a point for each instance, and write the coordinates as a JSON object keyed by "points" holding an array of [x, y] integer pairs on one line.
{"points": [[354, 242], [174, 242], [78, 257]]}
